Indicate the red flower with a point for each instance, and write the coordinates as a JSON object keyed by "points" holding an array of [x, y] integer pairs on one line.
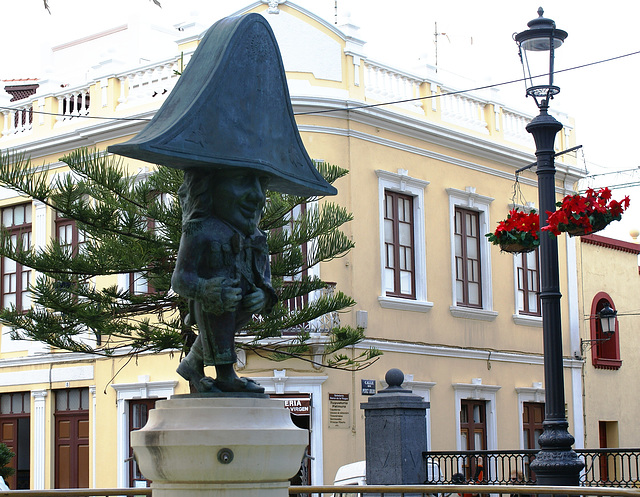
{"points": [[519, 228], [584, 214]]}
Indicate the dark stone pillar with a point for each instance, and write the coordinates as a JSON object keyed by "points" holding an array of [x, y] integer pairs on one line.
{"points": [[395, 434]]}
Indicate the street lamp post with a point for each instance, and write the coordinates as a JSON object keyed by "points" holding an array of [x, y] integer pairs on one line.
{"points": [[556, 463]]}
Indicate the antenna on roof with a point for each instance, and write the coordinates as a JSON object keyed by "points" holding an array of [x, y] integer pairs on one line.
{"points": [[435, 41], [336, 10]]}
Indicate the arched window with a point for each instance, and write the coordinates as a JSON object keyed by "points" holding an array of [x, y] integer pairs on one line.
{"points": [[605, 352]]}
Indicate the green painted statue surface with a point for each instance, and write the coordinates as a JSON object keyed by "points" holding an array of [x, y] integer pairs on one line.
{"points": [[223, 268]]}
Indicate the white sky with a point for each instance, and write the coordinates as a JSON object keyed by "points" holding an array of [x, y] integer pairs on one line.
{"points": [[603, 99]]}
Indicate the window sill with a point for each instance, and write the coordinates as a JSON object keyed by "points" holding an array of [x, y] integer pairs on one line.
{"points": [[405, 304], [525, 320], [471, 313], [604, 363]]}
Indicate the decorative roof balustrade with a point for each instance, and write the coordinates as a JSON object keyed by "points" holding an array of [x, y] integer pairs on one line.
{"points": [[385, 84], [143, 84], [141, 90]]}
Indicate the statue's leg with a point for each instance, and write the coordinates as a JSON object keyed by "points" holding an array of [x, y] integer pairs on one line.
{"points": [[191, 368], [228, 381]]}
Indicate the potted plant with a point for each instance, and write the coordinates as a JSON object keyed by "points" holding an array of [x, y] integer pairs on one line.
{"points": [[585, 214], [518, 233]]}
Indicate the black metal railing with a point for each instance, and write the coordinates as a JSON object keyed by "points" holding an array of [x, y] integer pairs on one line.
{"points": [[602, 467]]}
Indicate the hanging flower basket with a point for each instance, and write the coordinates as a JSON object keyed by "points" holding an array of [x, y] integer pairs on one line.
{"points": [[585, 214], [518, 233]]}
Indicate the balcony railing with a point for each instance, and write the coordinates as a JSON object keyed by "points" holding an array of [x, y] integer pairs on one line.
{"points": [[602, 467], [130, 91], [324, 323], [453, 490], [350, 491]]}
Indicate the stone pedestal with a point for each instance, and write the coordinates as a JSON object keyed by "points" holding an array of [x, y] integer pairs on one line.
{"points": [[197, 445], [395, 434]]}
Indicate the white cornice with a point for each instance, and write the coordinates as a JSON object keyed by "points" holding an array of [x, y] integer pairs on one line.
{"points": [[51, 358], [88, 136], [402, 178], [69, 357], [461, 353], [379, 117]]}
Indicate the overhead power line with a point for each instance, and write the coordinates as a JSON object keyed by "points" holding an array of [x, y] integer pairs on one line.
{"points": [[495, 85], [367, 106]]}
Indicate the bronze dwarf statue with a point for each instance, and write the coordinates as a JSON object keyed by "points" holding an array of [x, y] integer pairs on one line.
{"points": [[229, 124]]}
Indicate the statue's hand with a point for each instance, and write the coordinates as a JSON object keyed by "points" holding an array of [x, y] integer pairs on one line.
{"points": [[255, 301], [218, 295], [231, 295]]}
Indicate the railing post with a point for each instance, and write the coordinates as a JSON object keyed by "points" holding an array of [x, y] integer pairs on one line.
{"points": [[123, 80]]}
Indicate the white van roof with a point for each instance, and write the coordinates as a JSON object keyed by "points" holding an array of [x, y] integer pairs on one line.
{"points": [[351, 474]]}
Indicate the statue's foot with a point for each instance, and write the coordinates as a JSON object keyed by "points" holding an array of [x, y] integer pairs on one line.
{"points": [[208, 384], [239, 385], [193, 375]]}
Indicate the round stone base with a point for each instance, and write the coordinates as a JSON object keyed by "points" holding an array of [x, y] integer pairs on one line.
{"points": [[219, 446]]}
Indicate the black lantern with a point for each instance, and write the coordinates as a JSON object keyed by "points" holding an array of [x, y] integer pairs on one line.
{"points": [[537, 45], [608, 319]]}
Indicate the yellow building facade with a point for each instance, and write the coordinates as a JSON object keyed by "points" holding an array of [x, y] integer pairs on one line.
{"points": [[429, 176], [611, 276]]}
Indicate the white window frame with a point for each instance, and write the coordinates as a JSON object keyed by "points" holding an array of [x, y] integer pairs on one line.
{"points": [[39, 240], [518, 316], [477, 391], [280, 384], [469, 199], [144, 389], [401, 182], [533, 393]]}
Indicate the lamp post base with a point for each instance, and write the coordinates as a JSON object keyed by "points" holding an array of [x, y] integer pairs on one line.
{"points": [[556, 463]]}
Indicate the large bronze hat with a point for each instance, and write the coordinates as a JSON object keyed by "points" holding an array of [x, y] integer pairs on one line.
{"points": [[231, 108]]}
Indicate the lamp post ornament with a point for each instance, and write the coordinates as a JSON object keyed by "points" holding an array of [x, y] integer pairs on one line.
{"points": [[556, 463], [229, 125]]}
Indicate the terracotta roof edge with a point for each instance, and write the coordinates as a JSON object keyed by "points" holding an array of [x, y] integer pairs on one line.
{"points": [[611, 243]]}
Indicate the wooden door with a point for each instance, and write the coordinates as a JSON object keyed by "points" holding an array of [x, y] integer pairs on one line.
{"points": [[15, 433], [72, 439], [473, 434]]}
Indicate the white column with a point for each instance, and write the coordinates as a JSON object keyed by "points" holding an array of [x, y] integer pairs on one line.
{"points": [[104, 86], [83, 102], [38, 418], [60, 116], [5, 123], [39, 225], [356, 70], [41, 102], [123, 81], [76, 110], [574, 339], [12, 122], [94, 439], [122, 445]]}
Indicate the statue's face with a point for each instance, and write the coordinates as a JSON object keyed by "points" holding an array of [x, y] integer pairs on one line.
{"points": [[238, 198]]}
